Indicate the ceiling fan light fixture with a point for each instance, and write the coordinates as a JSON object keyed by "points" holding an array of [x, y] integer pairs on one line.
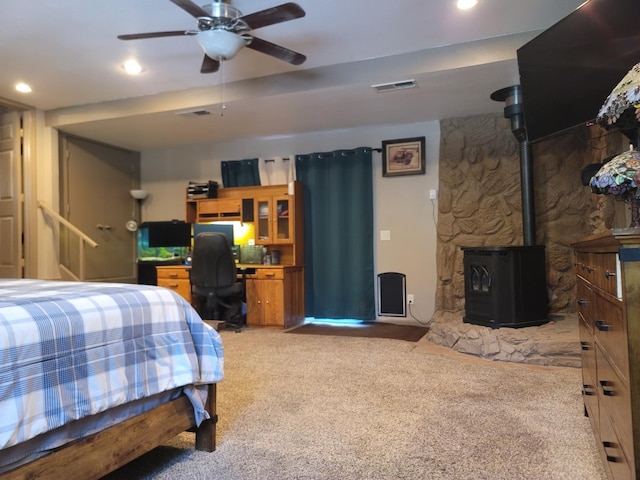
{"points": [[132, 67], [220, 44]]}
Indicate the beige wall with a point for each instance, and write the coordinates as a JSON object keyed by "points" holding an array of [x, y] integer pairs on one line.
{"points": [[402, 204]]}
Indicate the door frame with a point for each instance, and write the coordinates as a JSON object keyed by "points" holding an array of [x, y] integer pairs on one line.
{"points": [[27, 229]]}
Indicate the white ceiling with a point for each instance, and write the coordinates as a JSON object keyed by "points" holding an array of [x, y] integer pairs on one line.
{"points": [[68, 52]]}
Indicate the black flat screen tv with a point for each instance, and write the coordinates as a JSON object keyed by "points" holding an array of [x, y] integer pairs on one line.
{"points": [[168, 234], [567, 72]]}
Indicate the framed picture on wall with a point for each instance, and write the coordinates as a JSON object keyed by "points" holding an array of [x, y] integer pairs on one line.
{"points": [[404, 156]]}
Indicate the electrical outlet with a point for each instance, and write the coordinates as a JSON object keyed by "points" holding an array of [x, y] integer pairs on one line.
{"points": [[410, 299], [433, 194]]}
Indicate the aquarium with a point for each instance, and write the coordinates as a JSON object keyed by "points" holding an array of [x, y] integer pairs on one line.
{"points": [[163, 240]]}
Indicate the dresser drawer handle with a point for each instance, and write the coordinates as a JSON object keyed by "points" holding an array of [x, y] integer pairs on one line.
{"points": [[603, 327], [611, 458], [587, 268], [582, 302], [173, 285], [173, 275], [609, 274], [607, 388], [588, 390], [585, 346]]}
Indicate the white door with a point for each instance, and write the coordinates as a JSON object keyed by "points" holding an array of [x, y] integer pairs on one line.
{"points": [[11, 258]]}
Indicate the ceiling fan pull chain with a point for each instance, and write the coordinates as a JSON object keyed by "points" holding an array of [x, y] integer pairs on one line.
{"points": [[223, 106]]}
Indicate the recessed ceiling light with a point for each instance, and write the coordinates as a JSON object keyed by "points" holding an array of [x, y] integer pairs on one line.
{"points": [[132, 67], [466, 4], [23, 87]]}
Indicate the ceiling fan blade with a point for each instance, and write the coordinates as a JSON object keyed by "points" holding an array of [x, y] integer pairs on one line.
{"points": [[209, 65], [276, 51], [191, 8], [171, 33], [270, 16]]}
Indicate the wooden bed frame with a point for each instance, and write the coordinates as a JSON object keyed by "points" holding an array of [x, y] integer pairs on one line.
{"points": [[97, 455]]}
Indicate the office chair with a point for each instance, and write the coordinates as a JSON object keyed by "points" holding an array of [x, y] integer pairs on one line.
{"points": [[214, 277]]}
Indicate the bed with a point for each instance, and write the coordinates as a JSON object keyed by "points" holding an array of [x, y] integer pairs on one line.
{"points": [[93, 375]]}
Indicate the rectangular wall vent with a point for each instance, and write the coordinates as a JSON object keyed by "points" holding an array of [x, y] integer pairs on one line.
{"points": [[194, 113], [400, 85]]}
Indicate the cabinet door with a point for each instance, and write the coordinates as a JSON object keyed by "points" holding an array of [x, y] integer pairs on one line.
{"points": [[283, 220], [274, 220], [263, 220], [264, 302]]}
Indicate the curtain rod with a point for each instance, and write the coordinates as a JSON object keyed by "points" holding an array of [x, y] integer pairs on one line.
{"points": [[267, 160]]}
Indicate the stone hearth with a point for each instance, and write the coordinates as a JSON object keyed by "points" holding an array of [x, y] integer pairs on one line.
{"points": [[555, 343]]}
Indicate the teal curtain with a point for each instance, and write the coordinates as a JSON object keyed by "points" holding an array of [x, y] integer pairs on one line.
{"points": [[338, 230], [240, 173]]}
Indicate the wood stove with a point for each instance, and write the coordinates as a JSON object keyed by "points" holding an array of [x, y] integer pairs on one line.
{"points": [[505, 286]]}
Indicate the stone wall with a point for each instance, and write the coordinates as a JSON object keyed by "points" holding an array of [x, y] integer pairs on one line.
{"points": [[479, 200]]}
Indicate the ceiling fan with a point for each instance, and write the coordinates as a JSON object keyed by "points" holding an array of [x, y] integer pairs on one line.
{"points": [[223, 31]]}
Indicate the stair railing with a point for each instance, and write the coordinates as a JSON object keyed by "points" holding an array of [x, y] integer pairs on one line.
{"points": [[83, 237]]}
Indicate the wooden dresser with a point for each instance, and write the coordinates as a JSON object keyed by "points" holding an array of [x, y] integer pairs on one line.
{"points": [[608, 295]]}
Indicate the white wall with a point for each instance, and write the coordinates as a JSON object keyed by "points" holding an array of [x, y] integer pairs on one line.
{"points": [[46, 190], [402, 204]]}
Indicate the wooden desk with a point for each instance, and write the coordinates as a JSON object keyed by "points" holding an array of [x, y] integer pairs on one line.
{"points": [[274, 293]]}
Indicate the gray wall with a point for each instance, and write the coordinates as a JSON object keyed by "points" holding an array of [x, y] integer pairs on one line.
{"points": [[402, 204]]}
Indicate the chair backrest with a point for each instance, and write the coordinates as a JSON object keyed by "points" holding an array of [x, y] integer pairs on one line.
{"points": [[212, 263]]}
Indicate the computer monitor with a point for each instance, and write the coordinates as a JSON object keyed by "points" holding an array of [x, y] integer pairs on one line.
{"points": [[224, 228]]}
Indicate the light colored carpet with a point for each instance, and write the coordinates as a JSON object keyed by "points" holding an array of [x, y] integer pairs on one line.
{"points": [[323, 407]]}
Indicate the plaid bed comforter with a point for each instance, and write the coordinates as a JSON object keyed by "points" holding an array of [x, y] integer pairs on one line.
{"points": [[70, 349]]}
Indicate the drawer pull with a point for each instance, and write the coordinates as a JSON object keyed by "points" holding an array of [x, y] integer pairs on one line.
{"points": [[611, 458], [609, 274], [587, 268], [603, 327], [173, 275], [607, 388], [173, 285], [582, 302], [269, 274], [585, 346], [588, 390]]}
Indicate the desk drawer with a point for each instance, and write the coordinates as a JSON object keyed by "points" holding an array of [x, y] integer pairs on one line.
{"points": [[172, 273], [179, 285], [269, 273]]}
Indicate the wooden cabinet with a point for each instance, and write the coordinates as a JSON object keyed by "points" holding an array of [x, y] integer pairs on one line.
{"points": [[275, 211], [608, 295], [275, 293], [275, 296], [175, 277], [222, 209]]}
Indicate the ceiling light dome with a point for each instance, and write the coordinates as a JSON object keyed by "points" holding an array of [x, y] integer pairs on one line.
{"points": [[220, 44]]}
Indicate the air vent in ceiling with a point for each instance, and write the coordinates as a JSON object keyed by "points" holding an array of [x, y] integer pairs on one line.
{"points": [[391, 86], [201, 112]]}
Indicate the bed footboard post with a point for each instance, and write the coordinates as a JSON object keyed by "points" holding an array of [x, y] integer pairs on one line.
{"points": [[206, 432]]}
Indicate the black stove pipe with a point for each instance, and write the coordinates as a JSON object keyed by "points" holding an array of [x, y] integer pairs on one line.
{"points": [[513, 110]]}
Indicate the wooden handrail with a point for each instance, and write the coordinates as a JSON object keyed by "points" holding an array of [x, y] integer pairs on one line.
{"points": [[84, 238], [67, 224]]}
